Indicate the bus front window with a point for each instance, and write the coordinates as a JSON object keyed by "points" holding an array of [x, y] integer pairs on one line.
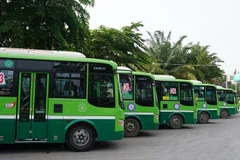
{"points": [[221, 95], [126, 86], [101, 85], [186, 94], [229, 97], [199, 93], [144, 91], [211, 95]]}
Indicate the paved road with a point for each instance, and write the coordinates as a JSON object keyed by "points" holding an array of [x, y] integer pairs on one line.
{"points": [[217, 140]]}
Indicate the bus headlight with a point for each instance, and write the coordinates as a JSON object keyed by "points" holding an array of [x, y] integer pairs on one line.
{"points": [[121, 122]]}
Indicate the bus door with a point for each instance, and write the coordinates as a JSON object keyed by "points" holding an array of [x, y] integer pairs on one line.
{"points": [[32, 106]]}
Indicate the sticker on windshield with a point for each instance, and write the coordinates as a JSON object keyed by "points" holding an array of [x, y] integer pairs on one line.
{"points": [[2, 79]]}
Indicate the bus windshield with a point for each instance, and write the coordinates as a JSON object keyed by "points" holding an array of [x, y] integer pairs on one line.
{"points": [[221, 95], [211, 97], [186, 96], [230, 97]]}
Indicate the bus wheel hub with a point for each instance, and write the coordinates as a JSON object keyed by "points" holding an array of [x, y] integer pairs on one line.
{"points": [[130, 127], [203, 117], [176, 121], [81, 137]]}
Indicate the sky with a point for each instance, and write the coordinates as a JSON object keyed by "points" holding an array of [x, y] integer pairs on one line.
{"points": [[210, 22]]}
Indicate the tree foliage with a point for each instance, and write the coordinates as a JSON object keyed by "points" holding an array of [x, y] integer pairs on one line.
{"points": [[63, 25], [163, 51], [191, 61], [205, 63], [125, 46], [44, 24]]}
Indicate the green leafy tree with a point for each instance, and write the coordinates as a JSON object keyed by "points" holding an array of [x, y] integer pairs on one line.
{"points": [[205, 63], [125, 46], [44, 24], [163, 51], [191, 61]]}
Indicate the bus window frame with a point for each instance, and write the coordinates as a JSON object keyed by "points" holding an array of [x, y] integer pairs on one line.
{"points": [[144, 102]]}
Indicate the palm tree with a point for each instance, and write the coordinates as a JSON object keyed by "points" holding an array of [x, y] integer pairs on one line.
{"points": [[163, 51], [205, 63]]}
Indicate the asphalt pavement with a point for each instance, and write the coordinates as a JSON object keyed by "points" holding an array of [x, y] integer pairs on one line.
{"points": [[217, 140]]}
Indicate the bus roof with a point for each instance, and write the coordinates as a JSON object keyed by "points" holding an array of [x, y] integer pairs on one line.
{"points": [[229, 89], [204, 84], [48, 55], [208, 84], [196, 82], [124, 68], [143, 74], [15, 52], [173, 80], [219, 87], [163, 77]]}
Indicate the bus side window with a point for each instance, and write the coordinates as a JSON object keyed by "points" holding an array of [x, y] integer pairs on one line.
{"points": [[70, 85], [70, 79]]}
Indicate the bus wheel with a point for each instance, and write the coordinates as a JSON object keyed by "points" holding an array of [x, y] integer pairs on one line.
{"points": [[81, 138], [176, 122], [131, 127], [224, 113], [203, 118]]}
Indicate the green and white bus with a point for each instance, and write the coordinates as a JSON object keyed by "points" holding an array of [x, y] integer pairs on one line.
{"points": [[140, 100], [57, 97], [232, 95], [236, 101], [206, 101], [177, 101], [227, 102]]}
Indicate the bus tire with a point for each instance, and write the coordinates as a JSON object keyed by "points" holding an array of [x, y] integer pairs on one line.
{"points": [[176, 122], [131, 127], [203, 118], [81, 138], [224, 113]]}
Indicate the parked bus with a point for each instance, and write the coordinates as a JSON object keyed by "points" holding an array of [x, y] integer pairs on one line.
{"points": [[226, 98], [236, 101], [57, 97], [231, 98], [140, 100], [206, 101], [177, 101]]}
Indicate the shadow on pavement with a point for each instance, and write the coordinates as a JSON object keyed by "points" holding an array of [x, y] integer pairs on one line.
{"points": [[50, 148], [168, 128], [31, 148]]}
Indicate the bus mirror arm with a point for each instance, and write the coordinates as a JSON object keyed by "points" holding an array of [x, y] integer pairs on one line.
{"points": [[122, 105]]}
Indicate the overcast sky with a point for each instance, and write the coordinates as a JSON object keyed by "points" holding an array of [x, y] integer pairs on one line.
{"points": [[211, 22]]}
